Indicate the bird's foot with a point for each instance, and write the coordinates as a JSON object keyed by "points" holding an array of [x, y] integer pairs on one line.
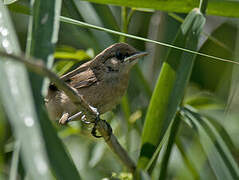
{"points": [[94, 130]]}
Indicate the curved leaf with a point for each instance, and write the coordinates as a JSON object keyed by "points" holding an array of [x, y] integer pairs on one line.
{"points": [[170, 87]]}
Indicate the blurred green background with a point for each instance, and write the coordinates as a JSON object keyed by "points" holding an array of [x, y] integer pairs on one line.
{"points": [[212, 90]]}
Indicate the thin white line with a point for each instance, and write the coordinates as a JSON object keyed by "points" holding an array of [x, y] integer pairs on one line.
{"points": [[69, 20]]}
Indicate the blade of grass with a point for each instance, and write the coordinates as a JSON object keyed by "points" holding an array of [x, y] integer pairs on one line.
{"points": [[83, 24], [15, 91], [19, 8], [45, 21], [219, 155], [213, 39], [170, 87], [221, 130]]}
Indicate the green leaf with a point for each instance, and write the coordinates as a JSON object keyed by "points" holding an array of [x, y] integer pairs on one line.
{"points": [[219, 155], [170, 87], [215, 76], [18, 7], [215, 7], [78, 55], [171, 140], [43, 34], [17, 100], [61, 67], [203, 100], [72, 58]]}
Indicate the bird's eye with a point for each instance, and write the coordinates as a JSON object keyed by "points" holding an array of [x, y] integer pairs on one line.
{"points": [[119, 55]]}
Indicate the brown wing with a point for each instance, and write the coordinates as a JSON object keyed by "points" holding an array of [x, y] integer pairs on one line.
{"points": [[83, 76]]}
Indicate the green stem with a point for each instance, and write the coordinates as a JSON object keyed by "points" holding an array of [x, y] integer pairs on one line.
{"points": [[124, 24], [203, 6]]}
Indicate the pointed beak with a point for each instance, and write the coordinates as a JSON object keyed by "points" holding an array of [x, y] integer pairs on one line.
{"points": [[135, 56]]}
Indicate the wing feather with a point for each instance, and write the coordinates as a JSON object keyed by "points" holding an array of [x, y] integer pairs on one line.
{"points": [[82, 76]]}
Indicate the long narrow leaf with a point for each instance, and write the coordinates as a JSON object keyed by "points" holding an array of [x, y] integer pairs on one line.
{"points": [[219, 155], [170, 87], [18, 103], [43, 34]]}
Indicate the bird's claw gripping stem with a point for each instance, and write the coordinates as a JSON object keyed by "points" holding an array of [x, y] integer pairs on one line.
{"points": [[97, 120], [93, 132]]}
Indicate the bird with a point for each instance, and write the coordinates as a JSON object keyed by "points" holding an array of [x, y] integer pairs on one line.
{"points": [[101, 81]]}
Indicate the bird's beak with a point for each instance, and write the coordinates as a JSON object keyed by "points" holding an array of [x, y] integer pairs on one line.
{"points": [[135, 56]]}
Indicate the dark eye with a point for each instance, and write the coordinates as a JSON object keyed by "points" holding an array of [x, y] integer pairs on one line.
{"points": [[119, 55], [110, 69]]}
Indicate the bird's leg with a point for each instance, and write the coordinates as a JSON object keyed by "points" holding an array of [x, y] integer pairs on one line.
{"points": [[65, 118], [74, 116]]}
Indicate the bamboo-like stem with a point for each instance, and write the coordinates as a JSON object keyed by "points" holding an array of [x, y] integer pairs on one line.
{"points": [[37, 66]]}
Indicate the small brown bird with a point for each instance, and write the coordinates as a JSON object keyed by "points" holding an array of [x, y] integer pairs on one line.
{"points": [[101, 82]]}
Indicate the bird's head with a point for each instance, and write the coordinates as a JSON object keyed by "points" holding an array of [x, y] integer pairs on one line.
{"points": [[118, 58]]}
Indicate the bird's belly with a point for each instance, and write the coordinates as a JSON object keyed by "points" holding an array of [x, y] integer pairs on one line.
{"points": [[58, 104], [103, 96]]}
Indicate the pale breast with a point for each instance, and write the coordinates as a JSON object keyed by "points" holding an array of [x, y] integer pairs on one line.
{"points": [[104, 95]]}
